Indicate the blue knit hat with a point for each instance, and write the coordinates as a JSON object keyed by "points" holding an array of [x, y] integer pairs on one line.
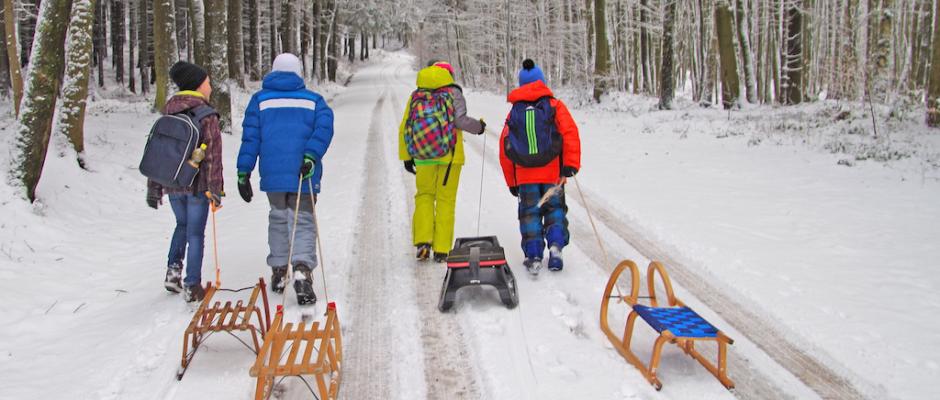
{"points": [[530, 73]]}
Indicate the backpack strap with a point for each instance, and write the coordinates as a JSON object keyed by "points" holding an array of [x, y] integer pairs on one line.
{"points": [[201, 112]]}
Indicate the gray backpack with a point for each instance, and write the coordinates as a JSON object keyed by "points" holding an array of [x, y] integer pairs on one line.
{"points": [[172, 140]]}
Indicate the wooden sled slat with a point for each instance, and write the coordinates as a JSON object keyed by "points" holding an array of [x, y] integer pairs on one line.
{"points": [[215, 317], [674, 316], [287, 339]]}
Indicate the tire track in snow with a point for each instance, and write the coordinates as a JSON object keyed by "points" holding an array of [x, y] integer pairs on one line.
{"points": [[447, 370], [368, 363], [751, 384]]}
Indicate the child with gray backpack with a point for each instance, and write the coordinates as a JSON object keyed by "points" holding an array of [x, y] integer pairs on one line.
{"points": [[183, 159]]}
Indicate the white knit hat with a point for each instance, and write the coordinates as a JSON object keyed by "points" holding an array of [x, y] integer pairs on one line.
{"points": [[288, 62]]}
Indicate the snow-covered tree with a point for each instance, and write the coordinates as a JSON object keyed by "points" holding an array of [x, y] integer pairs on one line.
{"points": [[217, 60], [71, 116]]}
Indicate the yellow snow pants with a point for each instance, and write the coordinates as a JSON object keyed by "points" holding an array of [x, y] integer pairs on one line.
{"points": [[435, 204]]}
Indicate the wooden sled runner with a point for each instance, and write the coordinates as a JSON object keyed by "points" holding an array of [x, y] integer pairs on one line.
{"points": [[228, 318], [676, 323], [288, 340]]}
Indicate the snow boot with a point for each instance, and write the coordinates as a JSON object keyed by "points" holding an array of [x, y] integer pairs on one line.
{"points": [[423, 252], [278, 279], [440, 257], [303, 285], [194, 293], [555, 263], [533, 265], [174, 278]]}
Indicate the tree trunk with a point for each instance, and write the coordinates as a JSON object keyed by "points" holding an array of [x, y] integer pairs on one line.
{"points": [[5, 85], [744, 42], [289, 27], [304, 39], [667, 80], [730, 85], [601, 51], [100, 40], [235, 49], [315, 44], [78, 66], [334, 45], [645, 47], [883, 53], [164, 46], [254, 40], [217, 62], [117, 39], [933, 88], [197, 31], [16, 75], [143, 48], [793, 68], [27, 29], [39, 99], [132, 42], [273, 27]]}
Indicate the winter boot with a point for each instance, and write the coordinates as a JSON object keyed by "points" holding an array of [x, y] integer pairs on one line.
{"points": [[440, 257], [278, 279], [555, 263], [533, 265], [194, 293], [303, 285], [174, 277], [423, 252]]}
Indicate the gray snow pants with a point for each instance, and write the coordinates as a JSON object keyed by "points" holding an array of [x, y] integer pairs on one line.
{"points": [[280, 223]]}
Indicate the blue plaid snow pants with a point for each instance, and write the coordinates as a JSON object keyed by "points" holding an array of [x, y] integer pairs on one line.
{"points": [[547, 223]]}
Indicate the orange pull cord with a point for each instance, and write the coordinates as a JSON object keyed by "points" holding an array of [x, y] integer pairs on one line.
{"points": [[215, 241]]}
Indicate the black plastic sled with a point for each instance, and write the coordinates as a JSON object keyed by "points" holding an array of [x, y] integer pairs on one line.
{"points": [[478, 261]]}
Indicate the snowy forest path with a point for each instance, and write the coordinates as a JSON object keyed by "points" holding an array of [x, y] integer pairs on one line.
{"points": [[751, 382]]}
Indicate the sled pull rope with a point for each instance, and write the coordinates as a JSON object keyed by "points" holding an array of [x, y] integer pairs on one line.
{"points": [[316, 226], [215, 242], [597, 236], [482, 170], [293, 234]]}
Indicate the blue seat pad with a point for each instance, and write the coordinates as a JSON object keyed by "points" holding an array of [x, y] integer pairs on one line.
{"points": [[681, 321]]}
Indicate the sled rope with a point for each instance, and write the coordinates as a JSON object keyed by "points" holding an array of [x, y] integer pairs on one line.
{"points": [[597, 236], [482, 170], [215, 243], [316, 226], [290, 252]]}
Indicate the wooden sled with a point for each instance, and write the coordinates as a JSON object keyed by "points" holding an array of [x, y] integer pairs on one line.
{"points": [[288, 340], [225, 318], [676, 323]]}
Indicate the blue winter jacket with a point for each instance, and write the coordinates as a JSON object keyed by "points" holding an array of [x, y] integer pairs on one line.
{"points": [[285, 121]]}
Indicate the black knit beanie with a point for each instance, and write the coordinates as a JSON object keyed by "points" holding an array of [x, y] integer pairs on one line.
{"points": [[187, 76]]}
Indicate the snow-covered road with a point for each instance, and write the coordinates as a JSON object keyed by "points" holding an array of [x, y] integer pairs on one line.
{"points": [[95, 323]]}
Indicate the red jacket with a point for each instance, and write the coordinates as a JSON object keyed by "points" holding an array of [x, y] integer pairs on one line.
{"points": [[571, 150]]}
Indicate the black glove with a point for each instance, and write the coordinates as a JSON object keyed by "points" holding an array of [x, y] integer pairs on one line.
{"points": [[154, 198], [410, 166], [514, 190], [568, 172], [244, 186], [482, 126], [306, 169]]}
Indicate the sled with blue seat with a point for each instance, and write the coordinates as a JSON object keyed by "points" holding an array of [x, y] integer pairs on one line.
{"points": [[675, 322]]}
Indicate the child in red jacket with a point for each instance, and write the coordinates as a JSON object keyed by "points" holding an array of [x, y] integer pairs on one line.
{"points": [[539, 148]]}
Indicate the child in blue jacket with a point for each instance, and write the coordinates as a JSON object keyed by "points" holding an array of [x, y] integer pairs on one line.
{"points": [[290, 129]]}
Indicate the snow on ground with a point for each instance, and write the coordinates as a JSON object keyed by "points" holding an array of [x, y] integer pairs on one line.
{"points": [[842, 256]]}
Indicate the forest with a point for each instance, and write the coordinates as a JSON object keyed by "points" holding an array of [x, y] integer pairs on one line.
{"points": [[729, 52]]}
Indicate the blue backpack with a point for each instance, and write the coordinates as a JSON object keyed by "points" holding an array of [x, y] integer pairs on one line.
{"points": [[170, 145], [533, 139]]}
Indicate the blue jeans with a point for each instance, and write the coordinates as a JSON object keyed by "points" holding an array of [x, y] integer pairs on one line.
{"points": [[191, 213]]}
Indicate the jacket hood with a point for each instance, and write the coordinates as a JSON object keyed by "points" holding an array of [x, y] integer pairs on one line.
{"points": [[182, 102], [434, 77], [530, 92], [282, 81]]}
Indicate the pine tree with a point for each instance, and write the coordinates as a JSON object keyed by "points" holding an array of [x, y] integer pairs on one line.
{"points": [[198, 39], [744, 43], [75, 85], [254, 40], [793, 62], [16, 75], [164, 47], [39, 96], [933, 89], [131, 43], [117, 39], [217, 61], [143, 48]]}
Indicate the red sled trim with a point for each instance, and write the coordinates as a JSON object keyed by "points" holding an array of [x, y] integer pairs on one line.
{"points": [[466, 264]]}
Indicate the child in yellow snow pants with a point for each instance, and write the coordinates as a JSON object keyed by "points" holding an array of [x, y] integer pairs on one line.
{"points": [[435, 204]]}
